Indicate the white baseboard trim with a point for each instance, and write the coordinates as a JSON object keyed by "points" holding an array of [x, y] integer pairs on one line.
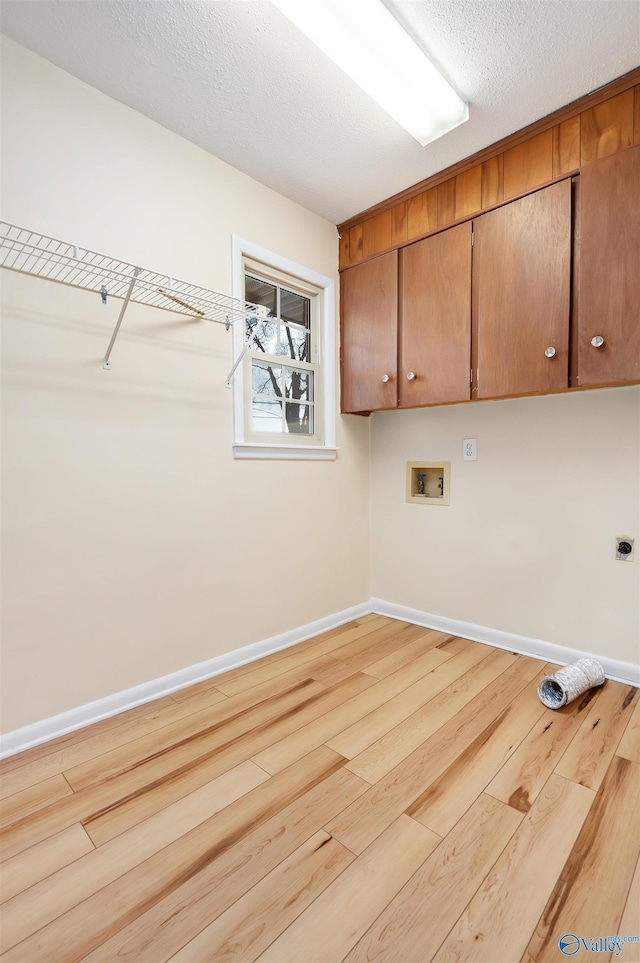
{"points": [[55, 726], [626, 672], [60, 725]]}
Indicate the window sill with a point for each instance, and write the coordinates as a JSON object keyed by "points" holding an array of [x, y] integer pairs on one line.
{"points": [[282, 452]]}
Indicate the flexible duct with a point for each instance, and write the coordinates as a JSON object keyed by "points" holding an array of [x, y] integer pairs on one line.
{"points": [[568, 683]]}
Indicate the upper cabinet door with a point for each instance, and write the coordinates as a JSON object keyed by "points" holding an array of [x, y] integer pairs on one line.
{"points": [[435, 319], [369, 340], [609, 270], [521, 294]]}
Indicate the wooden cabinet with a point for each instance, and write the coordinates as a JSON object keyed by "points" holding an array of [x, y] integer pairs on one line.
{"points": [[415, 322], [369, 340], [406, 328], [521, 294], [435, 319], [609, 270]]}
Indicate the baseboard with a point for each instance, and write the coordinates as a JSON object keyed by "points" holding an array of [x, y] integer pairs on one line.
{"points": [[55, 726], [52, 728], [626, 672]]}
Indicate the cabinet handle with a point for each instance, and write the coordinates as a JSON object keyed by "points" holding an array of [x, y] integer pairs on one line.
{"points": [[411, 376], [386, 378], [549, 352], [598, 341]]}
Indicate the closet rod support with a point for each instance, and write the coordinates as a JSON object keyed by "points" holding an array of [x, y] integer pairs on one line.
{"points": [[106, 364]]}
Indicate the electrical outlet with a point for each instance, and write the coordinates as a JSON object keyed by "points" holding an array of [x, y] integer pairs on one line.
{"points": [[624, 548], [470, 449]]}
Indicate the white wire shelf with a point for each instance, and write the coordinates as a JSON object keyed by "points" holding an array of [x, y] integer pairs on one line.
{"points": [[47, 257], [30, 252]]}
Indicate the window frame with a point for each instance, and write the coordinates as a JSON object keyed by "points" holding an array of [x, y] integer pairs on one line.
{"points": [[313, 366], [248, 257]]}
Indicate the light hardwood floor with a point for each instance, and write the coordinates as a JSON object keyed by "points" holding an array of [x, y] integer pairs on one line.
{"points": [[381, 792]]}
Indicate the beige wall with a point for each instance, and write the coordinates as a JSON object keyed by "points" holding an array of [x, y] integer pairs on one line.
{"points": [[134, 544], [527, 542]]}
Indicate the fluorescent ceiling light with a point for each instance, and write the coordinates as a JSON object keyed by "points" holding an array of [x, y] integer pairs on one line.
{"points": [[368, 43]]}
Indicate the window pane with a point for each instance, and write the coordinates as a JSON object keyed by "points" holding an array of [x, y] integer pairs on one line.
{"points": [[294, 343], [266, 379], [266, 415], [299, 419], [298, 384], [261, 292], [294, 308], [266, 334]]}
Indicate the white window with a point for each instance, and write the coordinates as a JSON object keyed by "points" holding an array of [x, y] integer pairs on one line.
{"points": [[284, 389]]}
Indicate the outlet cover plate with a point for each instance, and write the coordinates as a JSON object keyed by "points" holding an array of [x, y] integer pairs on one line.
{"points": [[470, 449]]}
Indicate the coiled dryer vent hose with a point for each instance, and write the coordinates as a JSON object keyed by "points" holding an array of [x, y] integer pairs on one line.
{"points": [[568, 683]]}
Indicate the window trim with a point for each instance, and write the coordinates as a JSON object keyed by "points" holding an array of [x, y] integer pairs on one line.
{"points": [[241, 250]]}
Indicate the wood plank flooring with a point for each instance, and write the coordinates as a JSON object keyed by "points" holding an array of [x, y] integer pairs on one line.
{"points": [[380, 792]]}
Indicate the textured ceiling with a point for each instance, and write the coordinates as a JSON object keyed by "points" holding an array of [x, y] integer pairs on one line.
{"points": [[236, 78]]}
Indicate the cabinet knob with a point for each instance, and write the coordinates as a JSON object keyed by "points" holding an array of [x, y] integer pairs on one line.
{"points": [[549, 352], [386, 378], [598, 341], [411, 376]]}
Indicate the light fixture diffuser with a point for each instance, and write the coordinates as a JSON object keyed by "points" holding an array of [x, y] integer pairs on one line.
{"points": [[370, 46]]}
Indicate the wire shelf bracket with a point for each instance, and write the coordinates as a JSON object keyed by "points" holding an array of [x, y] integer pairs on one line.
{"points": [[29, 252]]}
